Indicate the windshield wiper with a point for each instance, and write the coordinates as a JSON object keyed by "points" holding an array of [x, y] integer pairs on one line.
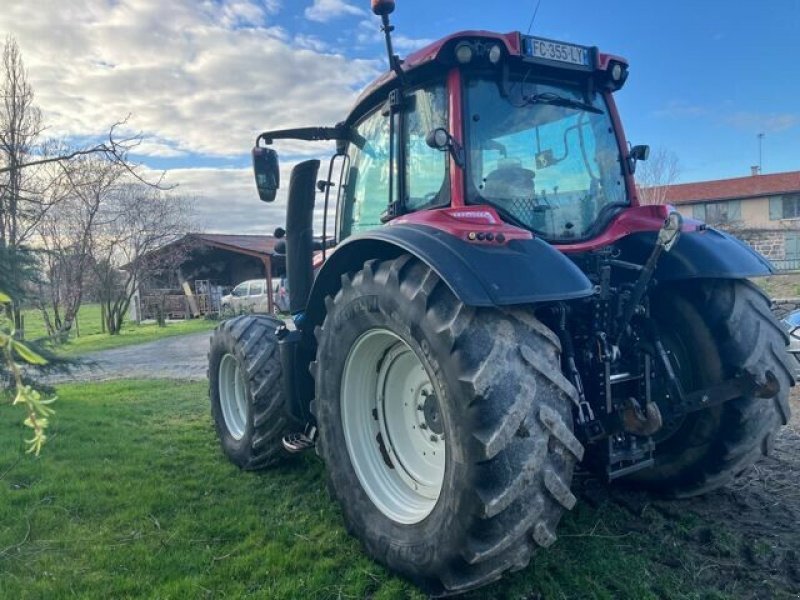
{"points": [[556, 100]]}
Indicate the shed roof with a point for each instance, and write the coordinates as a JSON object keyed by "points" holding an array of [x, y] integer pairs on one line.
{"points": [[262, 245], [753, 186]]}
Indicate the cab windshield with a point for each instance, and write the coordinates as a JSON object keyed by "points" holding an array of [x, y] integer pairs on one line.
{"points": [[544, 154]]}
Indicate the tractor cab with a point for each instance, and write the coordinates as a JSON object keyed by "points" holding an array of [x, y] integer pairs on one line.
{"points": [[520, 125]]}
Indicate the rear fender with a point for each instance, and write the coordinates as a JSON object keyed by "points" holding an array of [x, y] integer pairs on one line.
{"points": [[707, 253], [520, 271]]}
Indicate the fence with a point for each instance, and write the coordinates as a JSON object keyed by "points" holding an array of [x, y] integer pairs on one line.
{"points": [[786, 265]]}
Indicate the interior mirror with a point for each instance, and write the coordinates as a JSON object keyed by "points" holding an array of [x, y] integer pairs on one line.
{"points": [[265, 168], [637, 153]]}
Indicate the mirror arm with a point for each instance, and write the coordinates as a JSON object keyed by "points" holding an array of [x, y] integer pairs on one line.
{"points": [[312, 134], [457, 152]]}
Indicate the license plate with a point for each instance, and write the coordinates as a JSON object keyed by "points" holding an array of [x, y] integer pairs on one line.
{"points": [[557, 51]]}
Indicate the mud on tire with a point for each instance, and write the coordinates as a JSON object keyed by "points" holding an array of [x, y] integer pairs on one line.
{"points": [[506, 412], [734, 332], [251, 440]]}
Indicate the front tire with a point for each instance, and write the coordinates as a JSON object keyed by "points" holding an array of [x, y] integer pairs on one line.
{"points": [[246, 391], [394, 338]]}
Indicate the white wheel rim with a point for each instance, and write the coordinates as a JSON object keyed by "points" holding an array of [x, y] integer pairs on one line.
{"points": [[233, 396], [387, 395]]}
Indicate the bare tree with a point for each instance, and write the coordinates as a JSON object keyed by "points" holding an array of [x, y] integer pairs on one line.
{"points": [[656, 175], [66, 234], [36, 176], [20, 126], [137, 221]]}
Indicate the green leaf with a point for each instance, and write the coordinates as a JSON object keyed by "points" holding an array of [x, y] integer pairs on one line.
{"points": [[28, 355]]}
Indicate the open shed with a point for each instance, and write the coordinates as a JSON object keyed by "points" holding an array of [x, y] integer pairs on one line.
{"points": [[197, 269]]}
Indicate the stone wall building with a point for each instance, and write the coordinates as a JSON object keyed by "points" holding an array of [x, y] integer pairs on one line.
{"points": [[762, 210]]}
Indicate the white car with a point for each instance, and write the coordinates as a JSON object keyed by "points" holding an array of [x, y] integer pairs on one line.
{"points": [[251, 297]]}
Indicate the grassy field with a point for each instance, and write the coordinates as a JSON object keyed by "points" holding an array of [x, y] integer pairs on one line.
{"points": [[786, 285], [133, 498], [92, 339]]}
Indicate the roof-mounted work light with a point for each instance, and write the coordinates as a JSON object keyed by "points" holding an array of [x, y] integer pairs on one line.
{"points": [[464, 52], [617, 74]]}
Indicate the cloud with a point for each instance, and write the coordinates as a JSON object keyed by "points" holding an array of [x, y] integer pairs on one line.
{"points": [[678, 109], [226, 200], [750, 121], [323, 11], [238, 13], [369, 32], [201, 77], [407, 44], [763, 122], [158, 148], [311, 42]]}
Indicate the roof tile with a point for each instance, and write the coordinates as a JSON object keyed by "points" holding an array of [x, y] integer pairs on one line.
{"points": [[739, 187]]}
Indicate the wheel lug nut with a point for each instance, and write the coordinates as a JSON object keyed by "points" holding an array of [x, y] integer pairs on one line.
{"points": [[423, 426], [434, 438], [420, 407]]}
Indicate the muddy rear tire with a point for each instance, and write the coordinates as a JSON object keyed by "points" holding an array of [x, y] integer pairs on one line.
{"points": [[246, 391], [729, 329], [502, 415]]}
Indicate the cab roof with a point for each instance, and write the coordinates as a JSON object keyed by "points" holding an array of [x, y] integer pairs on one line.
{"points": [[511, 42]]}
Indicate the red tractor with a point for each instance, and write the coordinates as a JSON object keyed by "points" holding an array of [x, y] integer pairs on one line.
{"points": [[497, 309]]}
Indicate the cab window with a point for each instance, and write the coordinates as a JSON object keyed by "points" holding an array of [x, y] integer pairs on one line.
{"points": [[367, 191], [256, 288], [240, 290], [427, 181]]}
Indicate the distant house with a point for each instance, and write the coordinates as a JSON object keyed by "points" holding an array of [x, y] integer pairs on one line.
{"points": [[762, 210]]}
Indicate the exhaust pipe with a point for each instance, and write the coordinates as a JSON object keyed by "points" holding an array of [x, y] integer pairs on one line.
{"points": [[300, 233]]}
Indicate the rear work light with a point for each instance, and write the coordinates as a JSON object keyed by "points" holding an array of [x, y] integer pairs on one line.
{"points": [[617, 74], [464, 52], [468, 50]]}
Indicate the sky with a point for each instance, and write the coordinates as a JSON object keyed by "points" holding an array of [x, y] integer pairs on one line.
{"points": [[200, 78]]}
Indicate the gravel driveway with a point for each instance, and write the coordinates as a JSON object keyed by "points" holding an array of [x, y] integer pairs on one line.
{"points": [[178, 357]]}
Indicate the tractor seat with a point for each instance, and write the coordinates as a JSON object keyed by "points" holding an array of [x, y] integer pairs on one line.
{"points": [[509, 180]]}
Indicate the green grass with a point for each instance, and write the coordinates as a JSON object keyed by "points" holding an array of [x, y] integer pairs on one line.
{"points": [[133, 498], [92, 338], [785, 285]]}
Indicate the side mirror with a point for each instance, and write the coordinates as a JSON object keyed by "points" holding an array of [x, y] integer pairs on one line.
{"points": [[382, 7], [637, 153], [440, 139], [265, 168]]}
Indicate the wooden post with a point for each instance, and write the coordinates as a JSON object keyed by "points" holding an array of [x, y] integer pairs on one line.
{"points": [[187, 290], [270, 300]]}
